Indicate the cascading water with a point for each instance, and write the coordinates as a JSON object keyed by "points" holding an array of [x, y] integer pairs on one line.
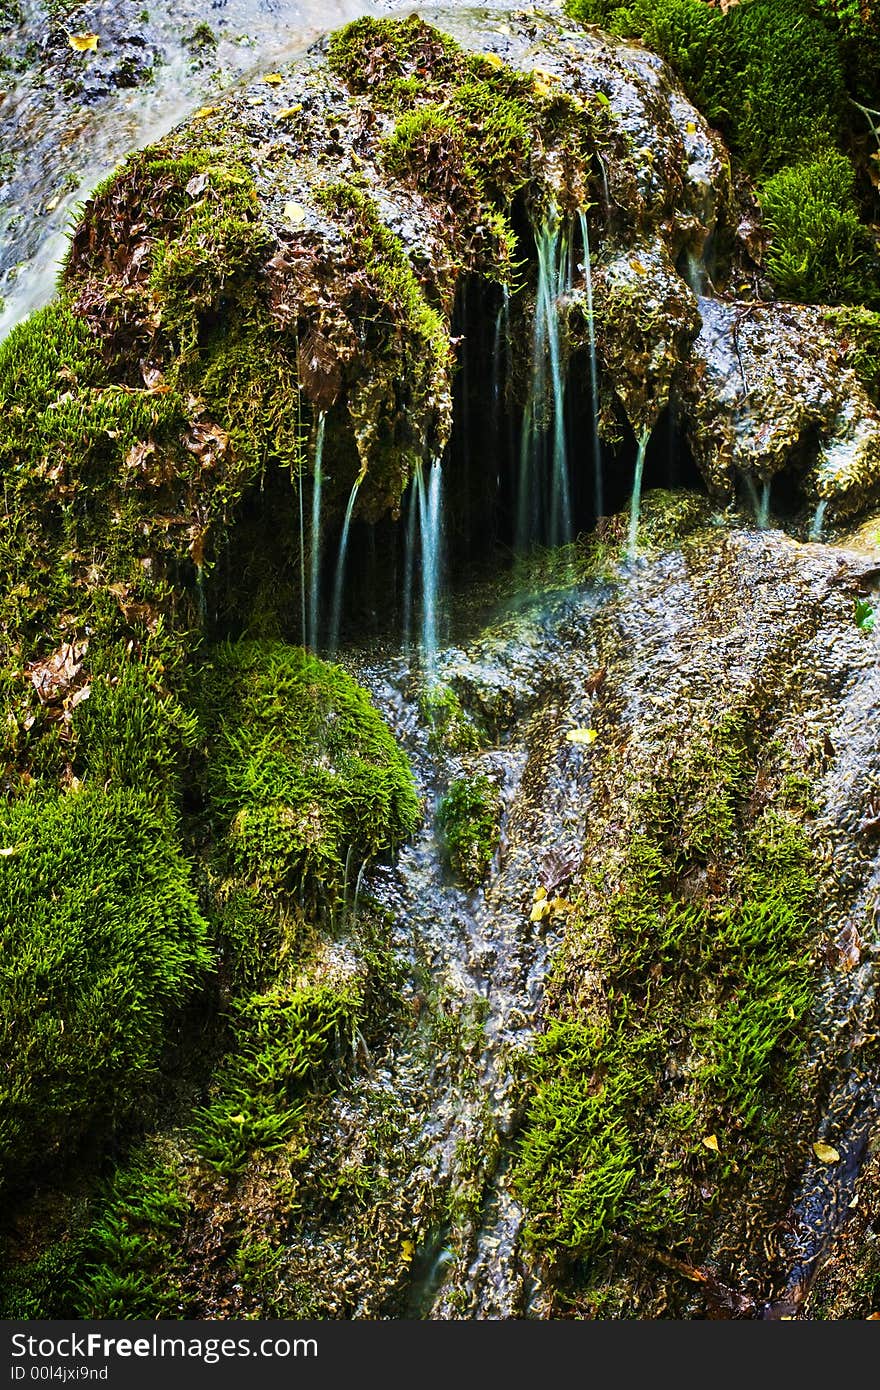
{"points": [[544, 503], [339, 580], [764, 507], [636, 499], [315, 538], [598, 497]]}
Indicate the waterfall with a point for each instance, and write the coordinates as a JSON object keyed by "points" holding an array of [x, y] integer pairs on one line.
{"points": [[816, 528], [430, 527], [636, 500], [764, 508], [339, 581], [598, 497], [544, 506], [315, 556]]}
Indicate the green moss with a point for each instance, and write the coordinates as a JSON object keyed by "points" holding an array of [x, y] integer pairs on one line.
{"points": [[404, 412], [303, 774], [133, 731], [377, 56], [700, 927], [468, 819], [767, 71], [819, 251], [125, 1263], [102, 941], [281, 1039], [450, 726], [860, 335]]}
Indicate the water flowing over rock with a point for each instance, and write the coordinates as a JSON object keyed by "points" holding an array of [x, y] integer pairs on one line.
{"points": [[543, 914]]}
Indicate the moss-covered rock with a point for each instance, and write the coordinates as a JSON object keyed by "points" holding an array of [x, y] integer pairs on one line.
{"points": [[771, 388], [468, 819], [102, 942], [303, 775], [718, 940]]}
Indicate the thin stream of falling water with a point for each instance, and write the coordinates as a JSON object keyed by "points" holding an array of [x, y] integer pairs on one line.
{"points": [[560, 505], [541, 517], [636, 499], [753, 495], [818, 519], [315, 538], [500, 352], [764, 508], [302, 558], [410, 559], [430, 525], [598, 496], [339, 581]]}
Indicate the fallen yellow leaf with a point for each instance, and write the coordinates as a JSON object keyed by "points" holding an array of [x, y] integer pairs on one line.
{"points": [[83, 43], [295, 213], [493, 60], [582, 735], [691, 127], [407, 1250], [825, 1153], [542, 908], [711, 1142], [203, 111], [8, 852], [273, 78], [288, 111], [540, 892]]}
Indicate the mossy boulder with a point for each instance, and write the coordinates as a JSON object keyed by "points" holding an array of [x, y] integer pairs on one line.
{"points": [[102, 942], [771, 388], [468, 820], [303, 775]]}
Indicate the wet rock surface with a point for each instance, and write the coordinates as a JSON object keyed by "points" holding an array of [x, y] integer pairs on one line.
{"points": [[408, 1199], [733, 621]]}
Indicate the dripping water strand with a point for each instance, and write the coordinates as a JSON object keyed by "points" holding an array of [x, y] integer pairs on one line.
{"points": [[636, 499], [537, 519], [302, 559], [315, 555], [430, 528], [499, 359], [598, 497], [410, 560], [339, 581], [818, 519], [764, 507]]}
